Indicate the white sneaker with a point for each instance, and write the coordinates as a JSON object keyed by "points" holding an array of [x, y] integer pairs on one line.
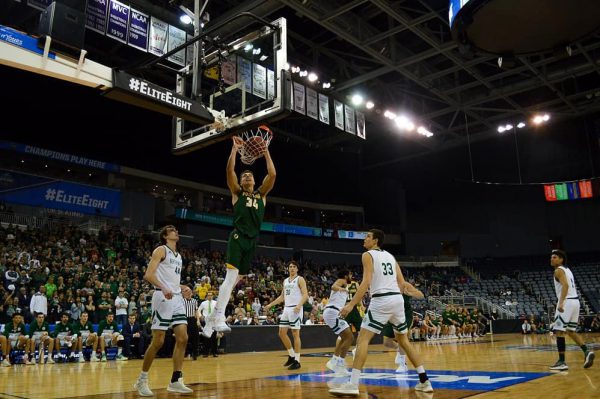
{"points": [[424, 386], [6, 363], [50, 360], [80, 358], [220, 325], [94, 358], [141, 385], [179, 387], [121, 358], [331, 364], [402, 368], [346, 389], [341, 371], [33, 362]]}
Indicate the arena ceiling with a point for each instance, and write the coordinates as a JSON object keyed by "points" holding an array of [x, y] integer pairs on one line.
{"points": [[400, 54]]}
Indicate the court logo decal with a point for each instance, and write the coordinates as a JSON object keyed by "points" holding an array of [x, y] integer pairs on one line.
{"points": [[440, 379]]}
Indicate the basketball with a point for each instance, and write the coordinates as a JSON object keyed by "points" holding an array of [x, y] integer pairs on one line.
{"points": [[256, 146]]}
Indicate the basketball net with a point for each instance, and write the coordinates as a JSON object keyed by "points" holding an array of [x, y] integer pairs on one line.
{"points": [[256, 142]]}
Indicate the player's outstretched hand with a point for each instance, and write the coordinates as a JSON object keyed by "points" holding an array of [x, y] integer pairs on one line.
{"points": [[238, 142]]}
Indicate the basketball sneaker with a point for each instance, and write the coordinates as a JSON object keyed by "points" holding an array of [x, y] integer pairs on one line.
{"points": [[559, 366], [424, 386], [289, 362], [94, 358], [294, 366], [331, 364], [220, 325], [80, 358], [341, 371], [179, 387], [345, 389], [50, 360], [122, 358], [402, 368], [103, 359], [141, 385], [589, 359]]}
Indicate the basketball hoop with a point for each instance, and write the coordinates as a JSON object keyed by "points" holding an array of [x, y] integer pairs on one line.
{"points": [[256, 142]]}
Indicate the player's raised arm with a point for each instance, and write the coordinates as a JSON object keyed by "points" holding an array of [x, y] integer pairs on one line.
{"points": [[232, 180], [269, 180]]}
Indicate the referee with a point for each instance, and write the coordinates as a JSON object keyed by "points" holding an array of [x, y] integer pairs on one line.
{"points": [[191, 308]]}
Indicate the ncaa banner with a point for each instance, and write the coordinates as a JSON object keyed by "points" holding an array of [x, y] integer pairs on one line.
{"points": [[360, 125], [259, 80], [299, 102], [349, 119], [138, 30], [323, 108], [118, 21], [176, 38], [95, 15], [158, 37], [244, 73], [338, 109], [312, 106], [20, 188]]}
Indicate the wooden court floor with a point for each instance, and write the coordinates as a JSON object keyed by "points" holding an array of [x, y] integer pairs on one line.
{"points": [[499, 366]]}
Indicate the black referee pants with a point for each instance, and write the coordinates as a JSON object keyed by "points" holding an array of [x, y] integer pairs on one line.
{"points": [[193, 337]]}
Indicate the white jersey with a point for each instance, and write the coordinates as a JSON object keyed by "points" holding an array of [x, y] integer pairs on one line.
{"points": [[169, 270], [293, 294], [572, 292], [384, 273], [338, 299]]}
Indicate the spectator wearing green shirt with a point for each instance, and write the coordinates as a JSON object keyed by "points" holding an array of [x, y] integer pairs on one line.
{"points": [[40, 337], [50, 287], [110, 336]]}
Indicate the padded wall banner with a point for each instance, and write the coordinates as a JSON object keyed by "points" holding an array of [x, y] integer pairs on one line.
{"points": [[25, 189], [118, 21], [139, 26]]}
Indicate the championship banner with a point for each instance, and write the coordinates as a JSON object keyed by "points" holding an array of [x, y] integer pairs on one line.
{"points": [[349, 119], [95, 15], [118, 21], [259, 80], [561, 192], [21, 188], [324, 108], [585, 189], [573, 190], [138, 30], [360, 125], [299, 102], [338, 111], [312, 104], [58, 156], [176, 38], [229, 70], [244, 73], [39, 4], [270, 84], [550, 192], [212, 73], [158, 37]]}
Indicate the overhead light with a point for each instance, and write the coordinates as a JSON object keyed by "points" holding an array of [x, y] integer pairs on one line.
{"points": [[263, 57], [389, 115], [508, 127], [357, 99], [185, 19], [256, 51], [521, 125], [248, 47], [538, 119], [501, 129], [423, 131], [295, 69], [326, 85], [312, 77], [546, 117], [404, 123], [369, 104]]}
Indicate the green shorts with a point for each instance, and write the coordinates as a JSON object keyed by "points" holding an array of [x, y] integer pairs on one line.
{"points": [[353, 318], [240, 251], [388, 330]]}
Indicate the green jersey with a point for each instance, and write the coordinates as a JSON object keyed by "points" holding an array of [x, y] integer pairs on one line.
{"points": [[352, 288], [105, 325], [34, 327], [78, 328], [447, 317], [248, 213], [12, 332], [65, 329]]}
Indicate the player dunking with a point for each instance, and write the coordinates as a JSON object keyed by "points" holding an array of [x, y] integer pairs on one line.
{"points": [[567, 311], [382, 276], [293, 294], [248, 212], [164, 273]]}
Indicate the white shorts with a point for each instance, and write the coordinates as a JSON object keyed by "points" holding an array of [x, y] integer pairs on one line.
{"points": [[331, 316], [384, 309], [569, 319], [291, 319], [167, 313]]}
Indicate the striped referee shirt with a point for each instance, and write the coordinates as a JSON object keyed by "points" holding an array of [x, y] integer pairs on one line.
{"points": [[191, 306]]}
